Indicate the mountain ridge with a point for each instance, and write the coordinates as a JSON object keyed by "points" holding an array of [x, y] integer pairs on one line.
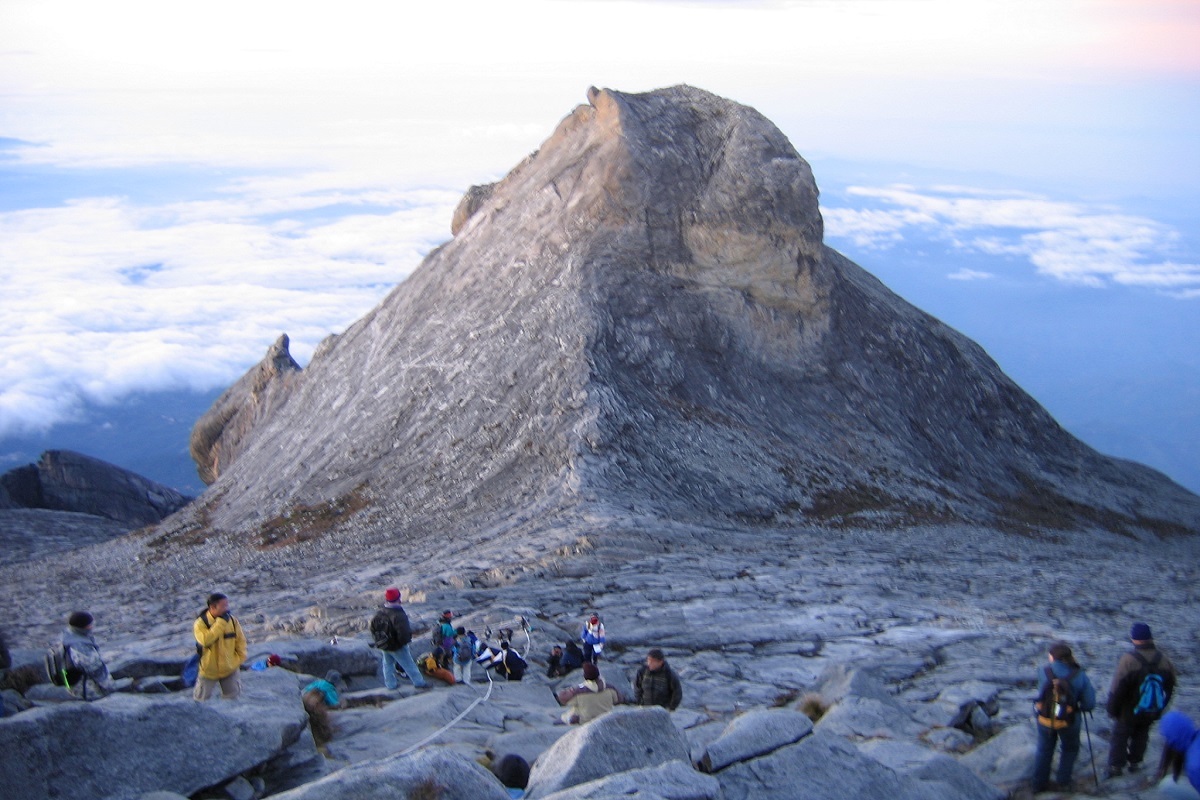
{"points": [[643, 315]]}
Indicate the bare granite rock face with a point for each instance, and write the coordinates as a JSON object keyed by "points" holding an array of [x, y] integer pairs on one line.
{"points": [[642, 317], [63, 480], [217, 437]]}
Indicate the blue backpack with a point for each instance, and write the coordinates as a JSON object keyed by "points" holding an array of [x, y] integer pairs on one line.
{"points": [[1152, 690]]}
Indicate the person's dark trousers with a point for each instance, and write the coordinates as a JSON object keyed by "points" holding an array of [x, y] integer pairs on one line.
{"points": [[590, 656], [1047, 739], [1129, 740]]}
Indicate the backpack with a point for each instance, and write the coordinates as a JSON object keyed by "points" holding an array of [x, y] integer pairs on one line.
{"points": [[384, 632], [60, 669], [1057, 706], [1151, 690]]}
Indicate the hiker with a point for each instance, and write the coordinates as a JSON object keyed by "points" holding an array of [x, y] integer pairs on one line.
{"points": [[510, 665], [443, 639], [222, 647], [1133, 710], [1181, 749], [1064, 694], [392, 635], [328, 688], [431, 666], [656, 684], [562, 661], [592, 637], [512, 771], [588, 700], [464, 655], [81, 652]]}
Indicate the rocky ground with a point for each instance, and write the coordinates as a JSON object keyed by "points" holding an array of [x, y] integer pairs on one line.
{"points": [[940, 617]]}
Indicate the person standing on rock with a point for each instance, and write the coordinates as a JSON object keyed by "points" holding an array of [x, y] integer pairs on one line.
{"points": [[82, 653], [592, 637], [222, 646], [656, 684], [1063, 683], [1134, 714], [392, 634]]}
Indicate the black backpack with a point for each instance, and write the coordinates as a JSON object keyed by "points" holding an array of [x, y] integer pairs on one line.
{"points": [[1057, 706], [1152, 692], [60, 669]]}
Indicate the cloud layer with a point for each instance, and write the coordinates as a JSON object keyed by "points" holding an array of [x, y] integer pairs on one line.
{"points": [[1070, 242], [103, 297]]}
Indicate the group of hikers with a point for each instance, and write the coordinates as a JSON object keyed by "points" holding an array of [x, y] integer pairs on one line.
{"points": [[455, 651], [1141, 687], [1140, 691]]}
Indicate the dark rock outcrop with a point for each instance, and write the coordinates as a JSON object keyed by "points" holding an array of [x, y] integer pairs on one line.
{"points": [[219, 435], [642, 316], [63, 480]]}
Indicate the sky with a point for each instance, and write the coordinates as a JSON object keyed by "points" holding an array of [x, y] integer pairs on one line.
{"points": [[181, 182]]}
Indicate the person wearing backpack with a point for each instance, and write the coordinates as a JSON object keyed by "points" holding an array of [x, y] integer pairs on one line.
{"points": [[1064, 695], [464, 655], [222, 647], [81, 657], [392, 633], [1181, 748], [1140, 691]]}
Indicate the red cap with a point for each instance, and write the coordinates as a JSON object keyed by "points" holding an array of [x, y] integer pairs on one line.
{"points": [[392, 595]]}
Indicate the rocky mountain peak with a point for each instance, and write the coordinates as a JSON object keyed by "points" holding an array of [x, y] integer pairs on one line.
{"points": [[641, 320]]}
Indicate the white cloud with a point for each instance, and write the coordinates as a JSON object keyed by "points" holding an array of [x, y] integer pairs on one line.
{"points": [[102, 297], [969, 275], [1070, 242]]}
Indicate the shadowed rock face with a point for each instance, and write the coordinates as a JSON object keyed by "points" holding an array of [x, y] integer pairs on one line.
{"points": [[66, 481], [642, 316]]}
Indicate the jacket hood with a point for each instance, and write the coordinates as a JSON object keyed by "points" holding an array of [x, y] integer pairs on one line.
{"points": [[1178, 730]]}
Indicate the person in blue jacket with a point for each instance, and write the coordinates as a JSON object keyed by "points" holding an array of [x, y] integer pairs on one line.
{"points": [[1182, 751], [1053, 729]]}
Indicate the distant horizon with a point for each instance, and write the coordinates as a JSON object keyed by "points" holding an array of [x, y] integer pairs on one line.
{"points": [[177, 195]]}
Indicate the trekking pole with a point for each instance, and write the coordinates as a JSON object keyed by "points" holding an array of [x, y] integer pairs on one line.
{"points": [[1095, 775]]}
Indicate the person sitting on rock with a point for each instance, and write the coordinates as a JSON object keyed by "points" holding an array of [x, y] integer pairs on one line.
{"points": [[592, 637], [563, 660], [82, 652], [588, 700], [656, 684], [510, 665], [431, 666], [328, 688]]}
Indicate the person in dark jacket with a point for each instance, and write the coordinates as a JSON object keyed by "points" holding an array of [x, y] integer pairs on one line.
{"points": [[511, 665], [1131, 731], [1062, 665], [392, 634], [1181, 750], [562, 661], [657, 684]]}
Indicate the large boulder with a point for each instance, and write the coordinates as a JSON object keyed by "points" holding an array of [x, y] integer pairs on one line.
{"points": [[861, 707], [126, 745], [63, 480], [755, 733], [820, 766], [623, 739], [432, 773], [673, 780]]}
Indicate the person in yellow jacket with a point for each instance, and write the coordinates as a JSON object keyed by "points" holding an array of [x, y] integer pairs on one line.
{"points": [[222, 648]]}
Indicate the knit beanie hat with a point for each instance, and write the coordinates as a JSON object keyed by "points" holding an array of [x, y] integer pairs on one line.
{"points": [[590, 672], [1140, 632], [80, 619], [392, 595]]}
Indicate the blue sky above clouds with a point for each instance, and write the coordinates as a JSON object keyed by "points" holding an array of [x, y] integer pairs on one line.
{"points": [[181, 182]]}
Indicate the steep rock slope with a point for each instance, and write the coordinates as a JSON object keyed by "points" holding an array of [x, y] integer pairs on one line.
{"points": [[642, 317]]}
